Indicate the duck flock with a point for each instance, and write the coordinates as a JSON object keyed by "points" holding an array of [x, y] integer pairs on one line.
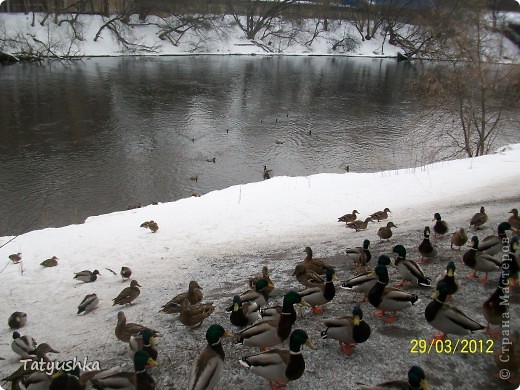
{"points": [[267, 331]]}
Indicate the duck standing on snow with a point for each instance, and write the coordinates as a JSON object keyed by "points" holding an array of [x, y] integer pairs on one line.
{"points": [[363, 282], [267, 173], [426, 248], [275, 312], [87, 276], [17, 320], [514, 220], [128, 295], [124, 330], [360, 255], [125, 273], [194, 295], [313, 264], [416, 381], [380, 215], [23, 345], [409, 270], [152, 225], [480, 261], [440, 228], [385, 232], [244, 314], [492, 245], [193, 316], [307, 278], [16, 257], [280, 366], [387, 298], [207, 368], [89, 303], [265, 275], [348, 217], [459, 238], [448, 278], [52, 262], [479, 219], [258, 295], [320, 295], [358, 225], [447, 318], [348, 330]]}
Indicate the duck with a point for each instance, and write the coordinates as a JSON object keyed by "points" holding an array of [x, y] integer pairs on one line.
{"points": [[360, 255], [440, 228], [508, 358], [459, 238], [267, 173], [124, 330], [480, 261], [387, 298], [495, 307], [137, 379], [409, 270], [358, 225], [348, 330], [306, 277], [492, 245], [479, 219], [280, 366], [514, 220], [194, 178], [265, 275], [152, 225], [275, 312], [24, 346], [380, 215], [363, 282], [265, 334], [313, 264], [349, 217], [17, 320], [385, 232], [244, 314], [194, 295], [258, 295], [67, 378], [52, 262], [416, 381], [193, 316], [86, 276], [447, 318], [320, 295], [426, 248], [16, 257], [128, 295], [448, 278], [208, 367], [125, 273], [144, 340], [89, 303]]}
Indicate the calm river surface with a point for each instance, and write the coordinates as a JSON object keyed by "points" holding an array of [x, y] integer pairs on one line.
{"points": [[87, 138]]}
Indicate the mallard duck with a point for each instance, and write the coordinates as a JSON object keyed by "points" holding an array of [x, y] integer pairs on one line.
{"points": [[307, 277], [496, 306], [320, 295], [52, 262], [23, 345], [448, 278], [348, 330], [244, 314], [125, 273], [380, 215], [144, 340], [358, 225], [152, 225], [193, 295], [360, 255], [265, 275], [267, 173], [409, 270], [440, 228], [479, 219], [128, 295], [387, 298], [194, 315], [258, 295], [459, 238], [514, 220], [67, 378], [480, 261], [363, 282], [207, 368], [279, 366], [17, 320], [265, 334], [416, 381], [275, 312], [426, 248], [124, 330], [348, 217], [313, 264], [89, 303], [447, 318], [87, 276], [492, 245], [16, 257], [508, 357], [385, 232], [137, 379]]}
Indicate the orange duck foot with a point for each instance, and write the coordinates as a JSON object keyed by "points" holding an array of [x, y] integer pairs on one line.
{"points": [[472, 276], [493, 335], [400, 284], [347, 348], [438, 337], [391, 319], [317, 310], [482, 280], [379, 313], [277, 385]]}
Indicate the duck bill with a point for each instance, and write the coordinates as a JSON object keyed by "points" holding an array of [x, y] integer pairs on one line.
{"points": [[151, 363], [334, 277], [303, 303], [435, 294], [424, 385], [153, 341], [227, 334], [309, 344]]}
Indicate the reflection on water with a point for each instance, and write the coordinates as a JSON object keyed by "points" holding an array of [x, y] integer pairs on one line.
{"points": [[93, 137]]}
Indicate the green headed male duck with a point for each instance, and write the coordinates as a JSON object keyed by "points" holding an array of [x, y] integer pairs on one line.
{"points": [[23, 345], [348, 330], [258, 295], [409, 270], [360, 255], [479, 219], [477, 260], [440, 228], [447, 318], [459, 238], [244, 314], [194, 295], [448, 278], [275, 312], [380, 215], [509, 358], [89, 303], [86, 276], [426, 248], [387, 298], [144, 340], [209, 365], [320, 295], [279, 366], [363, 282], [265, 275], [128, 295], [385, 232], [416, 381]]}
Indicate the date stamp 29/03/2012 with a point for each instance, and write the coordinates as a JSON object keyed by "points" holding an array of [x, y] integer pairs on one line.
{"points": [[447, 346]]}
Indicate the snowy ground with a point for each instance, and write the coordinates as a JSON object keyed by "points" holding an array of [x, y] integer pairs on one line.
{"points": [[224, 237]]}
